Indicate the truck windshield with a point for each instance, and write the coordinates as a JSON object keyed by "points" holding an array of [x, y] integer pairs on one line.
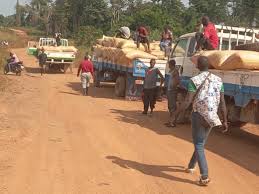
{"points": [[180, 48]]}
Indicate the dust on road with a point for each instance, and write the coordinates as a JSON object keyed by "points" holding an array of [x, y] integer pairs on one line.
{"points": [[55, 141]]}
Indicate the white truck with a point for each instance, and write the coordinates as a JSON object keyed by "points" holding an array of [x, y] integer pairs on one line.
{"points": [[241, 86], [59, 57]]}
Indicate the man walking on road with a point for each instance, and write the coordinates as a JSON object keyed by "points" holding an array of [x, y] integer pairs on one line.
{"points": [[42, 61], [206, 94], [150, 89], [174, 81], [87, 70]]}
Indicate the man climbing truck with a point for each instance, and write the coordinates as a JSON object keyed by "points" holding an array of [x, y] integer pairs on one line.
{"points": [[237, 68], [59, 58]]}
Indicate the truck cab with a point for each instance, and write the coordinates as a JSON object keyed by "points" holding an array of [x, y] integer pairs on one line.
{"points": [[241, 86]]}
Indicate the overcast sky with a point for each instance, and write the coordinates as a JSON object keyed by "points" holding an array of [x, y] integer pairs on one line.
{"points": [[7, 6]]}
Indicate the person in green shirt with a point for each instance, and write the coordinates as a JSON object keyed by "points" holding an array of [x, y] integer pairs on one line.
{"points": [[192, 87], [206, 94], [42, 60]]}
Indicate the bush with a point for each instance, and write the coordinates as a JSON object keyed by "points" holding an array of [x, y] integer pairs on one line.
{"points": [[87, 36]]}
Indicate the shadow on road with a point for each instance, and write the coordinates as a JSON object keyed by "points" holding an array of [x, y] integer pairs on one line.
{"points": [[70, 93], [34, 70], [105, 91], [151, 170], [239, 146]]}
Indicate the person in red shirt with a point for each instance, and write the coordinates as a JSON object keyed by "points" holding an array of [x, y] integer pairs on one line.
{"points": [[208, 40], [143, 38], [87, 70]]}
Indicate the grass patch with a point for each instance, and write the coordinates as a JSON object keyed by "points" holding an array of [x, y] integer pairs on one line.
{"points": [[33, 33], [14, 40], [3, 57]]}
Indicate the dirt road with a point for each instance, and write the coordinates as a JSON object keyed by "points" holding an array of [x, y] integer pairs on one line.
{"points": [[55, 141]]}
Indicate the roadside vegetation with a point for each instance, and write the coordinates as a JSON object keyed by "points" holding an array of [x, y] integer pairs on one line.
{"points": [[73, 18]]}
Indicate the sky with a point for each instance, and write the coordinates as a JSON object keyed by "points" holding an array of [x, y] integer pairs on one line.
{"points": [[7, 6]]}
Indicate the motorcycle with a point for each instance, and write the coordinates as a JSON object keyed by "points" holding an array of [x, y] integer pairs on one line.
{"points": [[16, 68]]}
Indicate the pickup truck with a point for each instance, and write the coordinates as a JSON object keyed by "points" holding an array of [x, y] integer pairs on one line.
{"points": [[241, 86], [59, 57]]}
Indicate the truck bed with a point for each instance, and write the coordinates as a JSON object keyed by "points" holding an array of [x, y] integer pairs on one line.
{"points": [[137, 67], [243, 85]]}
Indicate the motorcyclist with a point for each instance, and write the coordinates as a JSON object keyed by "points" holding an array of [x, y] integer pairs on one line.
{"points": [[12, 61]]}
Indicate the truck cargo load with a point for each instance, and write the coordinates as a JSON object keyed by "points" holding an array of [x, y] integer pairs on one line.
{"points": [[119, 60], [230, 60]]}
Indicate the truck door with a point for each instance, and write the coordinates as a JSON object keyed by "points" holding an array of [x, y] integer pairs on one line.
{"points": [[179, 52], [188, 68]]}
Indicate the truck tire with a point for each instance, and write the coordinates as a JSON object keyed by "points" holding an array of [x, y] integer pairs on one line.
{"points": [[120, 86]]}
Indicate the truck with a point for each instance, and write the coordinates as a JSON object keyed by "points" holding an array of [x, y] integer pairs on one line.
{"points": [[128, 80], [241, 86], [59, 57]]}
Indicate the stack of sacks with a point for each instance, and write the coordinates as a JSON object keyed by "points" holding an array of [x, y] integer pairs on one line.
{"points": [[121, 51], [121, 56], [230, 60]]}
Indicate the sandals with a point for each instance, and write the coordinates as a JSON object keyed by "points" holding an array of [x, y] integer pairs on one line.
{"points": [[204, 181]]}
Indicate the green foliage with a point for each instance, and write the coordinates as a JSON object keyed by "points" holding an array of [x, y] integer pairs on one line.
{"points": [[87, 35], [2, 20], [87, 19]]}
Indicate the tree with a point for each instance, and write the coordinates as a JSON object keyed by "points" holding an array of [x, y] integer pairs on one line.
{"points": [[2, 20], [245, 12], [215, 9]]}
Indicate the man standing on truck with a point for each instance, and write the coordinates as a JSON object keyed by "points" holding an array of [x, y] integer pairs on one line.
{"points": [[208, 40], [58, 39], [206, 94], [166, 39], [42, 61], [150, 89], [173, 83], [142, 37], [86, 69]]}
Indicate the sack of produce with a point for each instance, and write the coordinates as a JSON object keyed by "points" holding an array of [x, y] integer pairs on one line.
{"points": [[242, 60], [230, 60], [134, 54]]}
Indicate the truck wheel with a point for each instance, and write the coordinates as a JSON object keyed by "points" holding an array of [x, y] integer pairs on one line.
{"points": [[120, 86]]}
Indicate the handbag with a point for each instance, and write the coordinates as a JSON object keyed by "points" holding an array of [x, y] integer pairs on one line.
{"points": [[204, 123]]}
